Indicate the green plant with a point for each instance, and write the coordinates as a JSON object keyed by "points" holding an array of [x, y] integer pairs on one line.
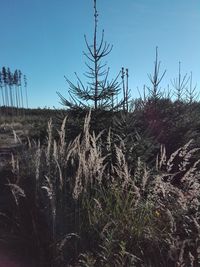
{"points": [[99, 91]]}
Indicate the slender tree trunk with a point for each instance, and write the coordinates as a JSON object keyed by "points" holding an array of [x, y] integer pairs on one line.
{"points": [[21, 97], [127, 89], [124, 92], [26, 97], [95, 56], [13, 95], [2, 95], [16, 96], [6, 96], [11, 100], [26, 91]]}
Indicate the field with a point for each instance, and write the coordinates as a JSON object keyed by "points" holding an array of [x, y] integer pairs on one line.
{"points": [[101, 188]]}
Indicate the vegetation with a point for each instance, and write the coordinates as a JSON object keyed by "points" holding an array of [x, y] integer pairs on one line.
{"points": [[116, 198], [99, 92], [103, 184], [13, 87]]}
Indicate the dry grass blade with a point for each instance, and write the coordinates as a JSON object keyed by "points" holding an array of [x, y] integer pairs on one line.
{"points": [[49, 139], [17, 192], [61, 133]]}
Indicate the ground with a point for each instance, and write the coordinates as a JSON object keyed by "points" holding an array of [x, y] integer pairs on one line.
{"points": [[11, 137]]}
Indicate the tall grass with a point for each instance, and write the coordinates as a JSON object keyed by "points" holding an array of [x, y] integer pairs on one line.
{"points": [[78, 204]]}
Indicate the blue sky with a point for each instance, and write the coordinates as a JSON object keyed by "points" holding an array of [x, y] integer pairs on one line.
{"points": [[45, 40]]}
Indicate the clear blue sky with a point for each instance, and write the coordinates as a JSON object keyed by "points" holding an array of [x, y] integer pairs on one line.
{"points": [[45, 40]]}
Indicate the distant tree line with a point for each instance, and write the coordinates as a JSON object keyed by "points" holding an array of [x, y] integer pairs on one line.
{"points": [[13, 89]]}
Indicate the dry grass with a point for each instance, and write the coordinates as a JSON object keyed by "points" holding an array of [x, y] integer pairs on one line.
{"points": [[86, 210]]}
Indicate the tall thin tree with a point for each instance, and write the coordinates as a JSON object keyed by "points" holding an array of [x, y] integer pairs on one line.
{"points": [[127, 91], [26, 90], [10, 82], [5, 83], [1, 88], [16, 81], [20, 89]]}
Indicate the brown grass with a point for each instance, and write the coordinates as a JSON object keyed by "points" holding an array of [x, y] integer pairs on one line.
{"points": [[96, 213]]}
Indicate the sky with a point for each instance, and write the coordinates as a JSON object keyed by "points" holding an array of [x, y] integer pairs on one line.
{"points": [[45, 40]]}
